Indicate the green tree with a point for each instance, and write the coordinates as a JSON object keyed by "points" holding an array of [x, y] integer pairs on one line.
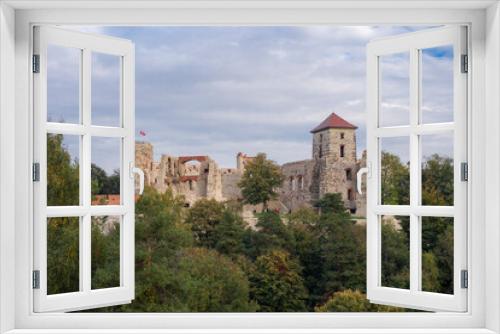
{"points": [[430, 273], [444, 257], [341, 255], [160, 234], [105, 252], [353, 301], [395, 179], [203, 217], [270, 234], [206, 281], [62, 173], [260, 181], [437, 181], [229, 234], [102, 184], [395, 257], [63, 255], [276, 283], [63, 232]]}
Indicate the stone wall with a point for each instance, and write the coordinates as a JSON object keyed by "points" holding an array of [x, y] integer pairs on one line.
{"points": [[296, 191]]}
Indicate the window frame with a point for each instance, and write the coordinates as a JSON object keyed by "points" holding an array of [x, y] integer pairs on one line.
{"points": [[414, 43], [86, 130], [482, 119]]}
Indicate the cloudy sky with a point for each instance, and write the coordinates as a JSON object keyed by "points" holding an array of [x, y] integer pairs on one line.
{"points": [[220, 90]]}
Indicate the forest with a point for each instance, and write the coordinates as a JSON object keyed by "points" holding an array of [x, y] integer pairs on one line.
{"points": [[206, 259]]}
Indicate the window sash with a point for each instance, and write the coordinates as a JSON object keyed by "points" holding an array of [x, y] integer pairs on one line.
{"points": [[85, 297], [414, 297]]}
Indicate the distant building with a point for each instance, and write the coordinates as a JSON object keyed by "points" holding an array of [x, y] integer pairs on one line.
{"points": [[333, 168]]}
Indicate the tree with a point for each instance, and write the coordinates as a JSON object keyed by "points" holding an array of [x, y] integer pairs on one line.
{"points": [[437, 181], [302, 225], [395, 179], [276, 283], [341, 255], [160, 234], [271, 234], [206, 281], [444, 257], [260, 180], [102, 184], [229, 234], [62, 173], [105, 263], [203, 217], [430, 273], [63, 255], [395, 257], [63, 232], [352, 301]]}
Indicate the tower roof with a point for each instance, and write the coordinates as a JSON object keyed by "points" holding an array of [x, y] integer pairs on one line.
{"points": [[333, 121]]}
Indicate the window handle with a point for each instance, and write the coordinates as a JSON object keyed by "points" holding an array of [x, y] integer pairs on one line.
{"points": [[359, 177], [134, 170]]}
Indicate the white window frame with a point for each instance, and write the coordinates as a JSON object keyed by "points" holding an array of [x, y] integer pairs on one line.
{"points": [[412, 43], [86, 130], [16, 20]]}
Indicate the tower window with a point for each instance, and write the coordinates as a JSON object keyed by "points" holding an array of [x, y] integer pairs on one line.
{"points": [[348, 174], [349, 195], [342, 151], [341, 135]]}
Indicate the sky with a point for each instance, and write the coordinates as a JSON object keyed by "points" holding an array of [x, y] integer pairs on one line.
{"points": [[218, 91]]}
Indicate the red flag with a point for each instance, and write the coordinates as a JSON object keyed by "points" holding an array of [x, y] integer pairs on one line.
{"points": [[142, 133]]}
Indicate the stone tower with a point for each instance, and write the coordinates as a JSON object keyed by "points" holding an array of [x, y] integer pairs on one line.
{"points": [[334, 154]]}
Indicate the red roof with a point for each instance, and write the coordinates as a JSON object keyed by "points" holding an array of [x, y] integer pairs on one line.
{"points": [[333, 121]]}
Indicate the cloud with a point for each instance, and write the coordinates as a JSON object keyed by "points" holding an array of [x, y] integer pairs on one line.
{"points": [[221, 90]]}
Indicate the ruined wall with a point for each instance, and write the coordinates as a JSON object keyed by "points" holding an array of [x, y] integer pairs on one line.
{"points": [[230, 178], [305, 181], [296, 190]]}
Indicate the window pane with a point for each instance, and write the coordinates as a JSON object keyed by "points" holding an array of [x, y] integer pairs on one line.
{"points": [[437, 254], [394, 89], [106, 157], [63, 84], [106, 89], [395, 252], [437, 169], [105, 252], [63, 170], [437, 84], [395, 171], [63, 245]]}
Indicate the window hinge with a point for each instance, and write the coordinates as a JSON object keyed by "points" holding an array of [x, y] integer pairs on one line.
{"points": [[464, 279], [36, 279], [465, 64], [36, 63], [36, 172], [464, 170]]}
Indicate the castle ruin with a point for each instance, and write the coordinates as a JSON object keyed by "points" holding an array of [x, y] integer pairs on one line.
{"points": [[332, 169]]}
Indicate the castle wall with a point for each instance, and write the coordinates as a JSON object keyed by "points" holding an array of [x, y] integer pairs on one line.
{"points": [[296, 190], [230, 179], [305, 181]]}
